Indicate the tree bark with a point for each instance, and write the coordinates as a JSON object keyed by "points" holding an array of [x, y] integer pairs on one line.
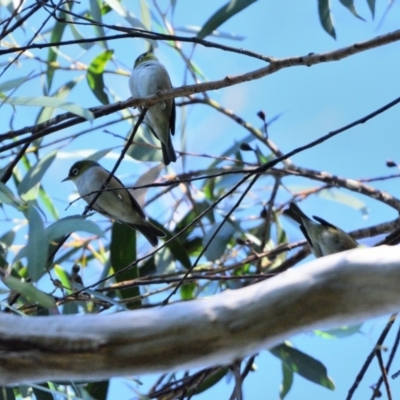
{"points": [[341, 289]]}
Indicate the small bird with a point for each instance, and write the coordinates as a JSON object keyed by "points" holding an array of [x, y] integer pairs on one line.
{"points": [[323, 237], [120, 205], [148, 77]]}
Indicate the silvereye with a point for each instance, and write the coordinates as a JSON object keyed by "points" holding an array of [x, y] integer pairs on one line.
{"points": [[323, 237], [148, 77], [119, 205]]}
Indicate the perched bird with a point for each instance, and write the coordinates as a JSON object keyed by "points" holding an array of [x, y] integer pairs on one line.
{"points": [[119, 205], [323, 237], [148, 77]]}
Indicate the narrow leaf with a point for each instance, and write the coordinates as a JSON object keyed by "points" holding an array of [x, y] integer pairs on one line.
{"points": [[349, 4], [30, 292], [71, 224], [36, 173], [11, 84], [56, 36], [303, 364], [371, 5], [287, 381], [94, 75], [7, 197], [325, 17], [222, 15], [45, 101], [122, 253], [95, 11], [37, 244], [218, 245]]}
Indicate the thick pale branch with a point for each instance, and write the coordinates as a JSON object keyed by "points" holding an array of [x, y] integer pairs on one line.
{"points": [[345, 288]]}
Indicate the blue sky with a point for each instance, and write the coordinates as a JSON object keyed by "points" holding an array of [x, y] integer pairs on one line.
{"points": [[312, 101]]}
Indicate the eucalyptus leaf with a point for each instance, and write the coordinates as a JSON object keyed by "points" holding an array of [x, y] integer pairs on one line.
{"points": [[218, 245], [37, 244], [325, 17], [71, 224], [45, 101], [222, 15], [11, 84], [30, 292], [303, 364], [349, 4], [36, 173], [94, 75]]}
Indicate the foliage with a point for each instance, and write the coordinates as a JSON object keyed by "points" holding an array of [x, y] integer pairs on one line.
{"points": [[221, 215]]}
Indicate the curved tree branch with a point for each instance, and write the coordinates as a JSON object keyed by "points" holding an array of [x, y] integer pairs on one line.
{"points": [[344, 288]]}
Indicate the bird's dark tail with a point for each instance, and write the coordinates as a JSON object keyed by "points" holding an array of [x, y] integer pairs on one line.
{"points": [[149, 231], [168, 152]]}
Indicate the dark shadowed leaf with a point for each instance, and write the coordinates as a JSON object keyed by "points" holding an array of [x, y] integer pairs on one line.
{"points": [[98, 390], [222, 15], [29, 292], [37, 244], [6, 393], [42, 394], [303, 364], [287, 381], [210, 381], [123, 252], [94, 75], [325, 17]]}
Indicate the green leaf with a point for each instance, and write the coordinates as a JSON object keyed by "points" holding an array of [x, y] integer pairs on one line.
{"points": [[349, 4], [95, 11], [47, 112], [339, 333], [45, 101], [210, 381], [11, 84], [179, 251], [371, 5], [123, 12], [30, 292], [56, 36], [94, 75], [96, 156], [7, 197], [325, 17], [37, 244], [222, 15], [286, 382], [218, 245], [122, 253], [36, 173], [71, 224], [187, 290], [303, 364], [63, 277]]}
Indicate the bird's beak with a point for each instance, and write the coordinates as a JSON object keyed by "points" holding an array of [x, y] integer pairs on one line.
{"points": [[66, 179]]}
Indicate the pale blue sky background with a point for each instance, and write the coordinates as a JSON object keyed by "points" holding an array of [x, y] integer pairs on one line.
{"points": [[313, 101]]}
